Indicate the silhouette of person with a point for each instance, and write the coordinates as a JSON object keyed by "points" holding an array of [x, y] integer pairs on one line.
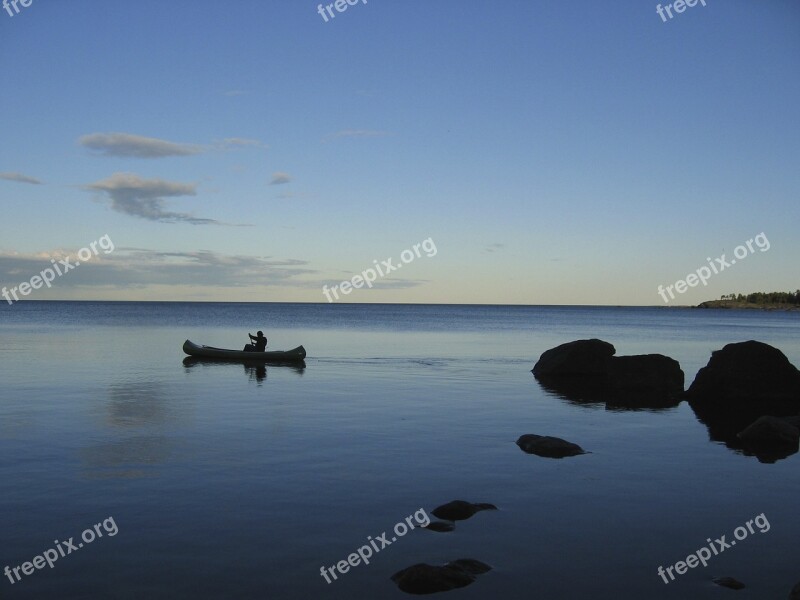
{"points": [[258, 344]]}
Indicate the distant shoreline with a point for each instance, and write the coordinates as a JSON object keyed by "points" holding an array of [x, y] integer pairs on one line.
{"points": [[736, 305]]}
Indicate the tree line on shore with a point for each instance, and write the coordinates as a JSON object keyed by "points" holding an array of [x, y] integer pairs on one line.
{"points": [[765, 298]]}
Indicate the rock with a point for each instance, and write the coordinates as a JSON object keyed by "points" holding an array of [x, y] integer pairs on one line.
{"points": [[588, 371], [771, 438], [725, 423], [459, 510], [742, 383], [423, 578], [792, 420], [470, 565], [440, 526], [581, 358], [795, 593], [729, 582], [747, 372], [550, 447], [653, 374], [771, 431]]}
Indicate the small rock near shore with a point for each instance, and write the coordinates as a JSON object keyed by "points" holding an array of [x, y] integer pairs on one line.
{"points": [[729, 582], [459, 510], [547, 446], [423, 578]]}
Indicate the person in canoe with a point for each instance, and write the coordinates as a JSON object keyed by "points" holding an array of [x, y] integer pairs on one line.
{"points": [[258, 343]]}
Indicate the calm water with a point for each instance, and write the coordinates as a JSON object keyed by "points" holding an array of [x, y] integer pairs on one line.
{"points": [[225, 482]]}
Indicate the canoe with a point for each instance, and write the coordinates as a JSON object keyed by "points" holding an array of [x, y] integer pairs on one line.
{"points": [[294, 355]]}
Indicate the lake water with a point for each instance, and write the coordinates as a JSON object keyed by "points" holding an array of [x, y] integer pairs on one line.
{"points": [[225, 482]]}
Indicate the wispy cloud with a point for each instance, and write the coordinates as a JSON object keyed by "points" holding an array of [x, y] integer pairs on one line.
{"points": [[354, 133], [20, 178], [235, 142], [380, 284], [235, 93], [136, 146], [134, 267], [280, 178], [131, 195], [494, 247]]}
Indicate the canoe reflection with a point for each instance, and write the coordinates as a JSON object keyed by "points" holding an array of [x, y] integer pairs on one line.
{"points": [[255, 370]]}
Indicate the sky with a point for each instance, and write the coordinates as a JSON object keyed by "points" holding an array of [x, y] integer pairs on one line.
{"points": [[577, 152]]}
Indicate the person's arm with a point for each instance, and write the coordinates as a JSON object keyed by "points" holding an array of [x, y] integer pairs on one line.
{"points": [[252, 337]]}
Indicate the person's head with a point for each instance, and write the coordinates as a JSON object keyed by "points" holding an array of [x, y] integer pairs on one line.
{"points": [[260, 334]]}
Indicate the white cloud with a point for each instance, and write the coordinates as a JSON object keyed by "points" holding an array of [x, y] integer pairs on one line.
{"points": [[137, 146], [131, 195], [354, 133], [280, 178], [134, 267], [20, 178]]}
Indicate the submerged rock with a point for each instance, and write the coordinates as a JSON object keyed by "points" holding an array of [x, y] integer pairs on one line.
{"points": [[423, 578], [751, 372], [440, 526], [547, 446], [771, 431], [727, 423], [470, 565], [729, 582], [459, 510]]}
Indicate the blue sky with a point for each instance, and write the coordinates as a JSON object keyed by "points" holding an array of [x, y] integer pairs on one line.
{"points": [[556, 153]]}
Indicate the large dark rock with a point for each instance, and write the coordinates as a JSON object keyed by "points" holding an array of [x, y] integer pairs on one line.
{"points": [[741, 383], [586, 371], [578, 358], [747, 372], [423, 578], [547, 446], [647, 374], [459, 510]]}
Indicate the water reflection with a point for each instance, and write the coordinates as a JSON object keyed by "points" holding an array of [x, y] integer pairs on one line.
{"points": [[126, 458], [255, 370], [594, 393], [137, 405], [725, 421], [132, 441]]}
